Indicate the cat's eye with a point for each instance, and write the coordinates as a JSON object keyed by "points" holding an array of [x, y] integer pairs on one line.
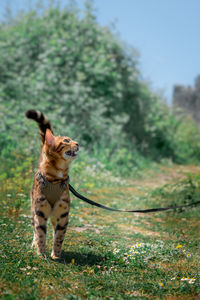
{"points": [[66, 140]]}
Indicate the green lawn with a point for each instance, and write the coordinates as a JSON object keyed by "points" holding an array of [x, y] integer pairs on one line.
{"points": [[107, 254]]}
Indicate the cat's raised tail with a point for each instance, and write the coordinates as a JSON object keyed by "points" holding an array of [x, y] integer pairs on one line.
{"points": [[41, 120]]}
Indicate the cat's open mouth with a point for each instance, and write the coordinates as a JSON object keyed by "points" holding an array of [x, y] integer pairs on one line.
{"points": [[71, 153]]}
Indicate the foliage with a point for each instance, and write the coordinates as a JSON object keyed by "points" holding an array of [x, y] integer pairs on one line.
{"points": [[88, 82], [186, 190]]}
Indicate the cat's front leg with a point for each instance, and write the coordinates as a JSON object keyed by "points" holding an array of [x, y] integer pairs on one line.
{"points": [[41, 212]]}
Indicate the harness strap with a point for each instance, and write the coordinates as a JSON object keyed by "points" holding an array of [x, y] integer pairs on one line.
{"points": [[142, 211]]}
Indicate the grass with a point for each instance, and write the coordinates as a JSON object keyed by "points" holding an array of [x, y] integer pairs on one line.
{"points": [[105, 254]]}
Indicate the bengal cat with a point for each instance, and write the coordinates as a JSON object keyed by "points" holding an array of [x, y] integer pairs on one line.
{"points": [[50, 192]]}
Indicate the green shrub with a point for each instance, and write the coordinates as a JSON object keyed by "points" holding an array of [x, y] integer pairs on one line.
{"points": [[89, 84]]}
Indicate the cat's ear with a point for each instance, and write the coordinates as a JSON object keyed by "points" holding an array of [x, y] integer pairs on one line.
{"points": [[49, 138]]}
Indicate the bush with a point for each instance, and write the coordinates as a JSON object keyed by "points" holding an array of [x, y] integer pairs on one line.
{"points": [[89, 85]]}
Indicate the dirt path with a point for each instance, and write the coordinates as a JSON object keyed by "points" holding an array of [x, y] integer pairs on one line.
{"points": [[135, 196], [168, 175]]}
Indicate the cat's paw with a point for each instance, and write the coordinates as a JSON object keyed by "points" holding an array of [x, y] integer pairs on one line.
{"points": [[54, 256], [41, 253]]}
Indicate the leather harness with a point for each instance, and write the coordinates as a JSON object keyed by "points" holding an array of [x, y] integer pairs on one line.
{"points": [[52, 191]]}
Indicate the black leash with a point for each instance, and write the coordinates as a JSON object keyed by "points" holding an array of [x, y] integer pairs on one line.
{"points": [[53, 190], [142, 211]]}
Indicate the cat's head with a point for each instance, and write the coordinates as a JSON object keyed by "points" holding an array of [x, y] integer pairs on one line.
{"points": [[60, 148]]}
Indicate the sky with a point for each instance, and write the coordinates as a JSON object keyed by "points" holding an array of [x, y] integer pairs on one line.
{"points": [[166, 33]]}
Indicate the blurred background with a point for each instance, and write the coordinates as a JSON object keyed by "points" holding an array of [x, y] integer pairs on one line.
{"points": [[119, 77]]}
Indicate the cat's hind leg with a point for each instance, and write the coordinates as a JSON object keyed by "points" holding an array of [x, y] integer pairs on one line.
{"points": [[61, 212], [41, 212]]}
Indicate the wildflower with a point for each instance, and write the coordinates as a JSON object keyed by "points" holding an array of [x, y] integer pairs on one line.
{"points": [[184, 278], [21, 195], [191, 281], [173, 278], [137, 245], [131, 256], [179, 246], [115, 251], [188, 255], [73, 261], [161, 284], [25, 216]]}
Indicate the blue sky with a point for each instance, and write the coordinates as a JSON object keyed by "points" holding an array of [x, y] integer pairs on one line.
{"points": [[165, 32]]}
